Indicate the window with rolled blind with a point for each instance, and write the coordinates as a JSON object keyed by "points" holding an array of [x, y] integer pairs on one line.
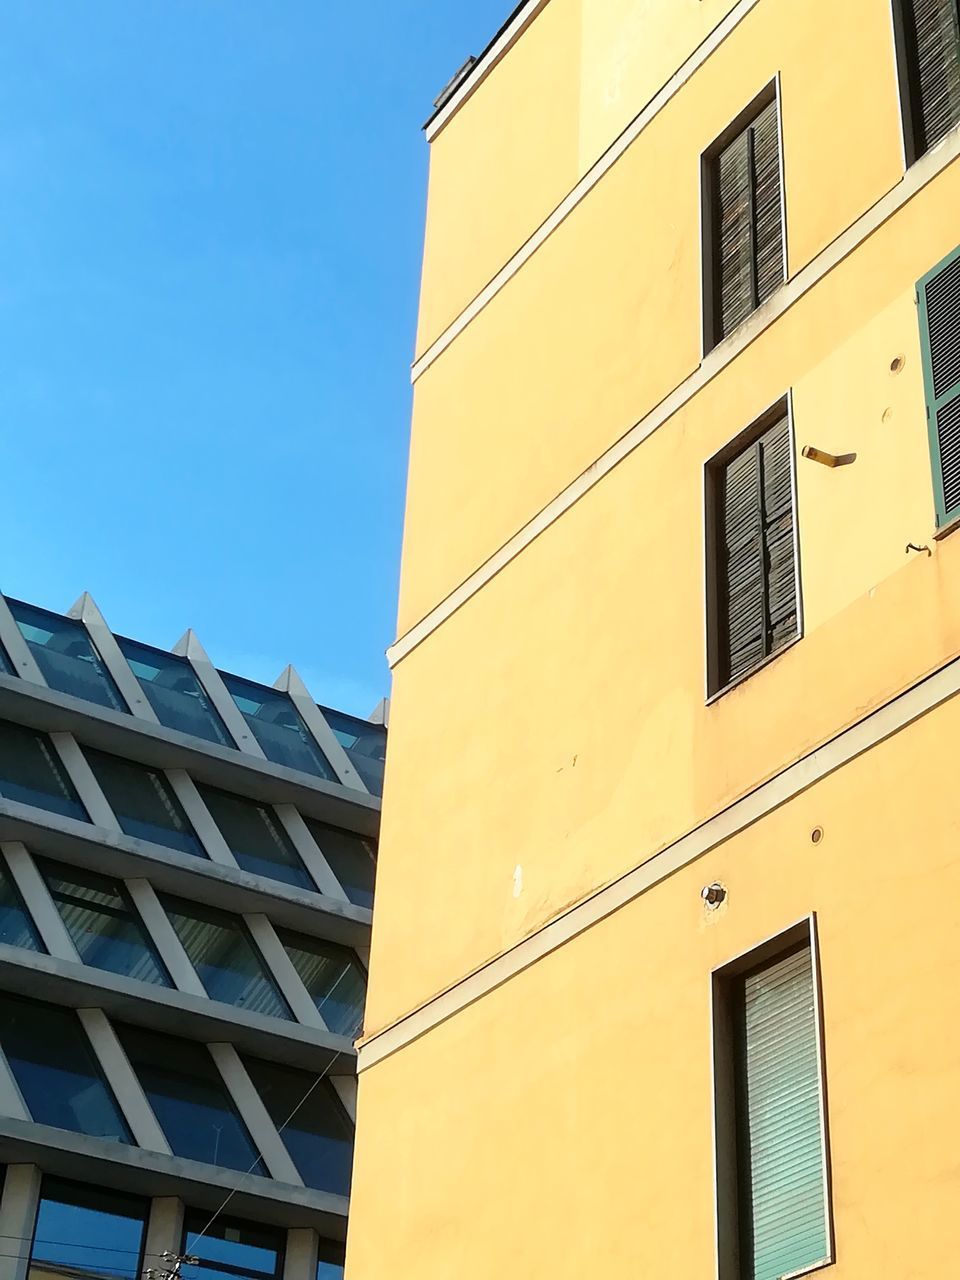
{"points": [[929, 32], [772, 1170], [754, 599], [939, 308], [747, 235]]}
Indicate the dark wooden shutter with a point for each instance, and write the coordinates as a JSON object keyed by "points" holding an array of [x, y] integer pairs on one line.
{"points": [[932, 35], [757, 572], [748, 230], [783, 1219], [939, 297]]}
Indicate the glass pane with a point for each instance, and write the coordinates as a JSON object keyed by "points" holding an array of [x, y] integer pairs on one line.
{"points": [[31, 773], [174, 692], [352, 859], [256, 838], [16, 927], [334, 978], [55, 1068], [190, 1100], [330, 1261], [85, 1231], [276, 725], [365, 745], [316, 1130], [6, 666], [230, 1248], [103, 923], [144, 802], [226, 961], [63, 652]]}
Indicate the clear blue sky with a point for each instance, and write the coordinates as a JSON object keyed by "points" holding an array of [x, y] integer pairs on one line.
{"points": [[211, 220]]}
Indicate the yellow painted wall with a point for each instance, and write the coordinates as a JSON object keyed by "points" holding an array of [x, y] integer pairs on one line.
{"points": [[561, 1127], [590, 645], [508, 158], [604, 321]]}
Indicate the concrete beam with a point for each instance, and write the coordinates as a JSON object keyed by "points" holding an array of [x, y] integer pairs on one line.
{"points": [[122, 1079], [104, 641], [18, 651], [26, 874], [311, 715], [189, 647], [255, 1115], [18, 1213], [46, 709]]}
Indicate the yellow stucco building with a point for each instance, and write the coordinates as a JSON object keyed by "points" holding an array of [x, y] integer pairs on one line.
{"points": [[667, 935]]}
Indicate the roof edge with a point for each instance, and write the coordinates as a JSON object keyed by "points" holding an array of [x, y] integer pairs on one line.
{"points": [[471, 76]]}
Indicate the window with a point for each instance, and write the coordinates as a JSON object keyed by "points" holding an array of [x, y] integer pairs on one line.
{"points": [[256, 838], [745, 247], [86, 1231], [334, 978], [316, 1130], [276, 725], [227, 1249], [330, 1261], [6, 666], [365, 745], [56, 1071], [227, 963], [31, 773], [190, 1100], [65, 655], [929, 57], [16, 927], [753, 594], [174, 692], [103, 923], [771, 1144], [939, 295], [144, 802], [352, 860]]}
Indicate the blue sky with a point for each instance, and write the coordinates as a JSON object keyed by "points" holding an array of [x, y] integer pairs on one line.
{"points": [[210, 238]]}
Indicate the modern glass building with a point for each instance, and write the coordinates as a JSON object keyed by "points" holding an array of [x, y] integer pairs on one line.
{"points": [[187, 862]]}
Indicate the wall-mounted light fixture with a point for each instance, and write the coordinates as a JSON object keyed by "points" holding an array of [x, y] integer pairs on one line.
{"points": [[828, 459]]}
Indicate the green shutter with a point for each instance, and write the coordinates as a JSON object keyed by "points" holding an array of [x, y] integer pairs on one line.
{"points": [[939, 297], [780, 1144]]}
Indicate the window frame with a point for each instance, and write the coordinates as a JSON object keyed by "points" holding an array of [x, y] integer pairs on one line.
{"points": [[714, 687], [710, 335], [908, 89], [724, 981]]}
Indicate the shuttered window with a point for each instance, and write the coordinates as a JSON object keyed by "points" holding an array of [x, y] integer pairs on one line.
{"points": [[756, 571], [931, 58], [781, 1197], [939, 298], [747, 222]]}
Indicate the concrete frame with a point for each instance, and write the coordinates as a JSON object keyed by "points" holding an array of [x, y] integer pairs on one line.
{"points": [[145, 870]]}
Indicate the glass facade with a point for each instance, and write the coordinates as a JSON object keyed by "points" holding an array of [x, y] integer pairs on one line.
{"points": [[65, 655], [103, 923], [225, 958], [256, 838], [6, 666], [31, 772], [82, 1230], [333, 976], [352, 859], [144, 802], [276, 725], [174, 692], [228, 1249], [190, 1100], [16, 927], [316, 1130], [365, 745], [56, 1070], [330, 1261]]}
